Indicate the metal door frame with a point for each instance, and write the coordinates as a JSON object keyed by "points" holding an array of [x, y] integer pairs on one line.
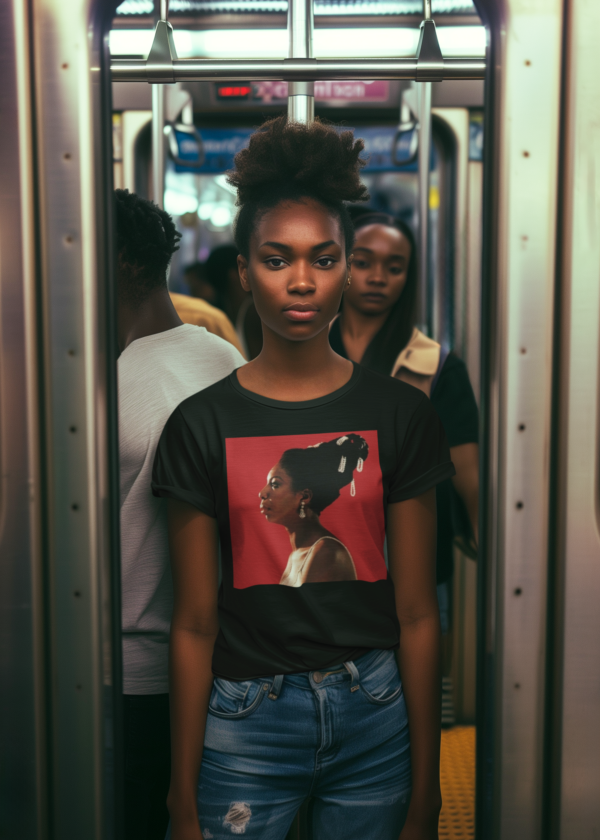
{"points": [[522, 131], [58, 438]]}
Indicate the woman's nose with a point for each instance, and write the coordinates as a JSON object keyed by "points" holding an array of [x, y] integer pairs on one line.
{"points": [[301, 280], [376, 277]]}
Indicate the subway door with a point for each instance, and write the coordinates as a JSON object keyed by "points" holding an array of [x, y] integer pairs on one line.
{"points": [[455, 213]]}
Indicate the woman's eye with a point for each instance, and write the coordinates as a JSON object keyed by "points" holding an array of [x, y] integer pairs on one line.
{"points": [[396, 269], [360, 263], [325, 262], [275, 262]]}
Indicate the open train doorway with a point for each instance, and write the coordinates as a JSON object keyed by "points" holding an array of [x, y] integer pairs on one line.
{"points": [[197, 195]]}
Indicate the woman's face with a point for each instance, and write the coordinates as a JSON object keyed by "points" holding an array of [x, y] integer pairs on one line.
{"points": [[297, 269], [279, 502], [379, 269]]}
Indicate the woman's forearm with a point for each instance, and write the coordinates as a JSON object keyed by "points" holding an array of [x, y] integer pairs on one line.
{"points": [[418, 659], [191, 682]]}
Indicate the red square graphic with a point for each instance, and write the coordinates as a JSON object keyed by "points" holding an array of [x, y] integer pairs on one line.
{"points": [[293, 516]]}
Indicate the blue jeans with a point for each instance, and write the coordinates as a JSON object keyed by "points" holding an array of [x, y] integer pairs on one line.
{"points": [[339, 737]]}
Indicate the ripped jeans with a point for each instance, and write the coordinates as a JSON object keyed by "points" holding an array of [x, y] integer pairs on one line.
{"points": [[339, 737]]}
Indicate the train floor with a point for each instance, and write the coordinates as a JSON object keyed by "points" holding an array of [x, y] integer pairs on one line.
{"points": [[457, 820]]}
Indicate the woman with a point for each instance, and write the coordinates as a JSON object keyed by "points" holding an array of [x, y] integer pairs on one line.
{"points": [[376, 328], [279, 693], [299, 487]]}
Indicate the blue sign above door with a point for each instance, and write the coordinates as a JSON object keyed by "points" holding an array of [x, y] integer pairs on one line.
{"points": [[222, 144]]}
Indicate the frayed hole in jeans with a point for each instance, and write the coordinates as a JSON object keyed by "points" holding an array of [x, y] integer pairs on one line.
{"points": [[238, 817]]}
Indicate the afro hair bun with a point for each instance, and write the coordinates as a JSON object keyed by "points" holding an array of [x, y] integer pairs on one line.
{"points": [[314, 158]]}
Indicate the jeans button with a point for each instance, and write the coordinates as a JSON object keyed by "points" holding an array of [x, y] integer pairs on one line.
{"points": [[318, 677]]}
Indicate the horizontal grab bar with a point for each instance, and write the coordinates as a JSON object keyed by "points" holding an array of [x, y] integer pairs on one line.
{"points": [[301, 70]]}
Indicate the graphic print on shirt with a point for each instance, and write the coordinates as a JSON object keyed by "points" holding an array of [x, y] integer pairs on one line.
{"points": [[305, 509]]}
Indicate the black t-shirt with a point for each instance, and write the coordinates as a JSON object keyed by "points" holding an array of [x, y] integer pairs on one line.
{"points": [[454, 401], [299, 491]]}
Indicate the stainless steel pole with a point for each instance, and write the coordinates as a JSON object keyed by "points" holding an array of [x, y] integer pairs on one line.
{"points": [[301, 95], [424, 163], [292, 70], [158, 144], [158, 130]]}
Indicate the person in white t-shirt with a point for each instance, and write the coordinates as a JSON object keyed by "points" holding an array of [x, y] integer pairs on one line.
{"points": [[163, 361]]}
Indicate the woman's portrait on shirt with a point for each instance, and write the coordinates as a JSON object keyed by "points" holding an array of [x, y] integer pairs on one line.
{"points": [[299, 487], [323, 491]]}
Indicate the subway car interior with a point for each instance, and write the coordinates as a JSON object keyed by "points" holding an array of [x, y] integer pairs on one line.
{"points": [[480, 123]]}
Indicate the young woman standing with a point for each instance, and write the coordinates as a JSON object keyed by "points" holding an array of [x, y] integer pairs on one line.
{"points": [[376, 328], [284, 692]]}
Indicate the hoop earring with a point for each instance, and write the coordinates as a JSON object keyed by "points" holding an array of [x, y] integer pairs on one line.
{"points": [[302, 512]]}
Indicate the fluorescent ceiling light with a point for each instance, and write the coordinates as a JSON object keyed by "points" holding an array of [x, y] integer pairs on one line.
{"points": [[400, 42]]}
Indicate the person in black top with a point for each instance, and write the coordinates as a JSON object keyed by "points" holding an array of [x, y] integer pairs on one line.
{"points": [[283, 692], [376, 328]]}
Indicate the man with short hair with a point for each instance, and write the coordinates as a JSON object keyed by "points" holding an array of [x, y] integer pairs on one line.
{"points": [[163, 361]]}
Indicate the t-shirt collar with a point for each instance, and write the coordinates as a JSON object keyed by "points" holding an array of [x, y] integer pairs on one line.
{"points": [[327, 398]]}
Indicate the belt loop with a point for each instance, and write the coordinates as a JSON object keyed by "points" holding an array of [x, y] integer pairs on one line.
{"points": [[276, 687], [353, 671]]}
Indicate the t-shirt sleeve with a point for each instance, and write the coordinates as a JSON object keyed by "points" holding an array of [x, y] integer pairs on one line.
{"points": [[423, 457], [454, 401], [179, 467]]}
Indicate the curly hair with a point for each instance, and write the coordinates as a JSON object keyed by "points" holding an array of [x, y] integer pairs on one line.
{"points": [[325, 468], [291, 162], [146, 241]]}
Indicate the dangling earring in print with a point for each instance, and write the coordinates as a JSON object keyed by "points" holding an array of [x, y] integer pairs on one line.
{"points": [[350, 258], [302, 512], [349, 281]]}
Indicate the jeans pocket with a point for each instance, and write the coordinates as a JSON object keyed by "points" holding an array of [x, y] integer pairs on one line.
{"points": [[231, 699], [381, 682]]}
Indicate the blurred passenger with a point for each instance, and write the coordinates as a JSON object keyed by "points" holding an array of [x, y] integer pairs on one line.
{"points": [[200, 313], [162, 362], [222, 274], [194, 276], [376, 328]]}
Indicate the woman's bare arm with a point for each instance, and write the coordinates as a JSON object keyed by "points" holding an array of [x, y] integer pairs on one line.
{"points": [[411, 546], [194, 560]]}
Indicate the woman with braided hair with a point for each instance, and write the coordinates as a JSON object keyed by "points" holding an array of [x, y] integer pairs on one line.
{"points": [[310, 675]]}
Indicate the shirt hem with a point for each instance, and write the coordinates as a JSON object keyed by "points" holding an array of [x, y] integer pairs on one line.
{"points": [[424, 483], [166, 491]]}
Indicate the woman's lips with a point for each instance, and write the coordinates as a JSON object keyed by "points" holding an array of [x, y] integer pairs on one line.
{"points": [[374, 297], [301, 312]]}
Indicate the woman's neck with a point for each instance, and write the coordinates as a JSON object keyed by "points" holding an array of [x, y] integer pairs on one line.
{"points": [[358, 330], [306, 532], [295, 371]]}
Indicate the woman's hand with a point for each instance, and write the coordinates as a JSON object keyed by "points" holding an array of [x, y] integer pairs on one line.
{"points": [[422, 823], [186, 829], [184, 819]]}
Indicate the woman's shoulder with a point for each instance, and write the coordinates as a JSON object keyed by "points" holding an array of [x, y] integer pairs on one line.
{"points": [[210, 399], [330, 560], [386, 389]]}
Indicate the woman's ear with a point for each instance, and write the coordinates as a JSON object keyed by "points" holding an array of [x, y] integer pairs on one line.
{"points": [[243, 272], [307, 496]]}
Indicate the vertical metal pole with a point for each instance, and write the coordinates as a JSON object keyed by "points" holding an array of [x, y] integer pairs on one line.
{"points": [[301, 95], [158, 144], [424, 90], [158, 130]]}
